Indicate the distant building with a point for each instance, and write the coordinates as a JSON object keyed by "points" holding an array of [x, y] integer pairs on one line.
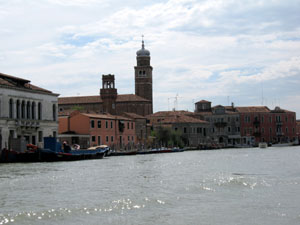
{"points": [[247, 125], [265, 125], [89, 130], [27, 112], [194, 131], [224, 123], [109, 101]]}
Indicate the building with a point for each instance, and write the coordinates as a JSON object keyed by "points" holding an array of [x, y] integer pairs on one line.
{"points": [[109, 101], [88, 130], [265, 125], [27, 112], [193, 131], [224, 123]]}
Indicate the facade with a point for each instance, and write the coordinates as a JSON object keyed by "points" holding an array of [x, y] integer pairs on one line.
{"points": [[224, 123], [265, 125], [298, 129], [97, 129], [27, 112], [109, 101], [194, 131]]}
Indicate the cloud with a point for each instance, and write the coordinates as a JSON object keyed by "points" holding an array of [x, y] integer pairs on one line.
{"points": [[199, 49]]}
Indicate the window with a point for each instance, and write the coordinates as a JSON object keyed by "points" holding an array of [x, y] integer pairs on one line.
{"points": [[111, 124], [286, 119], [99, 123], [132, 138], [93, 138], [184, 130], [128, 138], [11, 108], [106, 124], [270, 119], [40, 136], [229, 129], [28, 110], [106, 138], [54, 134], [99, 139], [54, 112], [33, 110], [128, 125], [262, 119], [112, 138], [39, 110], [270, 130], [262, 130], [286, 130], [18, 109], [92, 123], [132, 126]]}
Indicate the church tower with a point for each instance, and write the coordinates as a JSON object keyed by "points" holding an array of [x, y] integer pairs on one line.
{"points": [[143, 75], [109, 94]]}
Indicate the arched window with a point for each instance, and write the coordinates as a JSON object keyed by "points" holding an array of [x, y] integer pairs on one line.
{"points": [[11, 108], [33, 110], [54, 112], [40, 111], [18, 109], [23, 110], [28, 110]]}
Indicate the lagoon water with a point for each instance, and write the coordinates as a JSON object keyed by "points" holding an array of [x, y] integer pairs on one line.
{"points": [[232, 186]]}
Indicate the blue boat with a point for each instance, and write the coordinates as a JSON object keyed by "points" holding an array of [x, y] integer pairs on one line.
{"points": [[51, 152]]}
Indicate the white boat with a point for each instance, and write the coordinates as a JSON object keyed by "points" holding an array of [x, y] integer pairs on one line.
{"points": [[262, 145], [283, 144]]}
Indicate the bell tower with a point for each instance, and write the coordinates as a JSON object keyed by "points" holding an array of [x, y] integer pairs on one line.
{"points": [[108, 94], [143, 75]]}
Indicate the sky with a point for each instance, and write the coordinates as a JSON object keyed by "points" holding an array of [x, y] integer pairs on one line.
{"points": [[241, 51]]}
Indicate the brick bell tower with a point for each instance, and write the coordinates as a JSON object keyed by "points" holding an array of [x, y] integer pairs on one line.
{"points": [[143, 75], [108, 94]]}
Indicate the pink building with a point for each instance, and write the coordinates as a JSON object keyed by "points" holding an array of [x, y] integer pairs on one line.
{"points": [[260, 124], [97, 129]]}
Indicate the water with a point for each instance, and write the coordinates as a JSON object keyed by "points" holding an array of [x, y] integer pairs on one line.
{"points": [[232, 186]]}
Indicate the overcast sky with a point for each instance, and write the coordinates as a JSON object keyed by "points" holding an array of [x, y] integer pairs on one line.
{"points": [[241, 51]]}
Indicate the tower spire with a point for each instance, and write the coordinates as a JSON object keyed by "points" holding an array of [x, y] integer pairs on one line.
{"points": [[143, 45]]}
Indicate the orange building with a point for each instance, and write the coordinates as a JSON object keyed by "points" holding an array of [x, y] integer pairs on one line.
{"points": [[97, 129]]}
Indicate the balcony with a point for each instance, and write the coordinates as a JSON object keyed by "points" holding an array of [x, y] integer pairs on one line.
{"points": [[256, 122], [279, 133], [220, 124], [257, 134]]}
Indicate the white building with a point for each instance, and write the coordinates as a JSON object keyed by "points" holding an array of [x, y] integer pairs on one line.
{"points": [[27, 112]]}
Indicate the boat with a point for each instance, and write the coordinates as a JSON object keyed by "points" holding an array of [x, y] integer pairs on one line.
{"points": [[286, 144], [177, 149], [155, 151], [122, 153], [51, 152], [262, 144], [105, 148]]}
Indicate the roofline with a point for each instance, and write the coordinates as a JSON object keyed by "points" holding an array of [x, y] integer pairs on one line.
{"points": [[30, 90]]}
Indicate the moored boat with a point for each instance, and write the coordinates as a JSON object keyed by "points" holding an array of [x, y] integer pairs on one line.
{"points": [[51, 152], [262, 145]]}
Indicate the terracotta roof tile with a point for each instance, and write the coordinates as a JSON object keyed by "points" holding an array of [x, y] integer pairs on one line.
{"points": [[97, 99], [11, 81], [249, 109], [79, 100], [105, 116], [182, 119], [134, 115]]}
